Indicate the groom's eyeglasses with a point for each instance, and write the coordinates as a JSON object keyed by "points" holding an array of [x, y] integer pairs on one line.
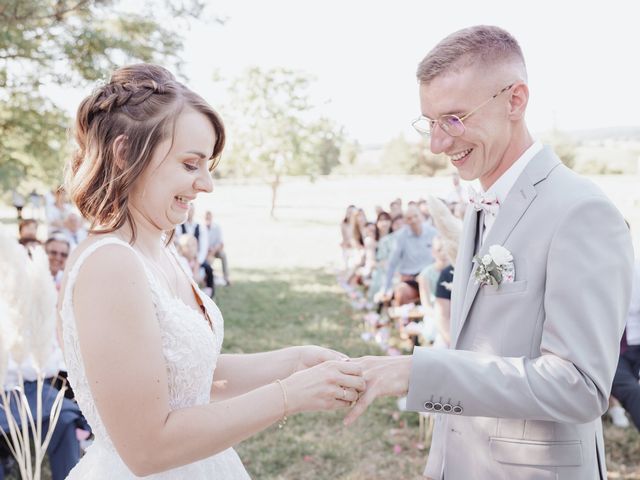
{"points": [[451, 124]]}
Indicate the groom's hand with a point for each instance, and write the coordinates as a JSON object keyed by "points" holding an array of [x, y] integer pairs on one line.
{"points": [[311, 355], [384, 376]]}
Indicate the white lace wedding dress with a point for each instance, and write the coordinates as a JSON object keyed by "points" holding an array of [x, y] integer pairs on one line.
{"points": [[190, 350]]}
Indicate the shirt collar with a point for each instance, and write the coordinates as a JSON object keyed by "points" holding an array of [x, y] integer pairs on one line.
{"points": [[503, 185]]}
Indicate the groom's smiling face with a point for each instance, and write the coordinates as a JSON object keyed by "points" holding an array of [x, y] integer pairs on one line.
{"points": [[482, 151]]}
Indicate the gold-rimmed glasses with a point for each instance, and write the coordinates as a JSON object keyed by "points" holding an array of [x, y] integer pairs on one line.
{"points": [[451, 124]]}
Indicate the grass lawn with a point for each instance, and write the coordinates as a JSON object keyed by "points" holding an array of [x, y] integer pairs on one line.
{"points": [[268, 309]]}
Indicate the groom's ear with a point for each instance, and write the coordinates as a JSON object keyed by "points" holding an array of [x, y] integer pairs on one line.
{"points": [[518, 101]]}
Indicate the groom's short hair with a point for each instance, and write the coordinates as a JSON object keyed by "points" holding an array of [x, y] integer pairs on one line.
{"points": [[481, 44]]}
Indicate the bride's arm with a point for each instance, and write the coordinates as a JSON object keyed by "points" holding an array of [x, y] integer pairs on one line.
{"points": [[120, 341], [239, 373]]}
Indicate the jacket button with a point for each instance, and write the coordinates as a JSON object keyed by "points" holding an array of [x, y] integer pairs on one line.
{"points": [[428, 405], [437, 406], [457, 409], [447, 408]]}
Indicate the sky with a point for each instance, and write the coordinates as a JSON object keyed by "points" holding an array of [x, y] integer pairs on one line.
{"points": [[582, 57]]}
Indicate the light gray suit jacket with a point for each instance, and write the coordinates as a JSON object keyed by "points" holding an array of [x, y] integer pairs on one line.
{"points": [[522, 389]]}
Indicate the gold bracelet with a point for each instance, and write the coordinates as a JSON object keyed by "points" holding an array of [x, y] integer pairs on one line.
{"points": [[283, 421]]}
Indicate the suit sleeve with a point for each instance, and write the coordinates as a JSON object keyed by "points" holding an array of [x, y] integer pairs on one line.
{"points": [[587, 292]]}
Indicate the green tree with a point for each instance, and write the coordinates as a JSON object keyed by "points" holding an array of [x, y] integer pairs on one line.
{"points": [[399, 155], [276, 131], [563, 145], [403, 156], [70, 43]]}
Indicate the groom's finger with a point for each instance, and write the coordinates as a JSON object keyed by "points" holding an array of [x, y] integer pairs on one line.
{"points": [[361, 406]]}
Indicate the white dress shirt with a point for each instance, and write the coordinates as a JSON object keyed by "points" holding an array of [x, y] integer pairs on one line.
{"points": [[504, 184]]}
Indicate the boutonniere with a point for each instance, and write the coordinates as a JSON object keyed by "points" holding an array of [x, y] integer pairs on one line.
{"points": [[495, 267]]}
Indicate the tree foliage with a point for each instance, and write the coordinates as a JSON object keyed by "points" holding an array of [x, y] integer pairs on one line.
{"points": [[563, 145], [402, 156], [69, 43], [275, 130]]}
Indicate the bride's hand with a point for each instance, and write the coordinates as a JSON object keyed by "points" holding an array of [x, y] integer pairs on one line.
{"points": [[311, 355], [326, 386]]}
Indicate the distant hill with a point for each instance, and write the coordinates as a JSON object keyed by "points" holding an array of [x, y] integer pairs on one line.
{"points": [[599, 134]]}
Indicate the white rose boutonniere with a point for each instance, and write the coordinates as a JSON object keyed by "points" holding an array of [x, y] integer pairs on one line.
{"points": [[495, 268]]}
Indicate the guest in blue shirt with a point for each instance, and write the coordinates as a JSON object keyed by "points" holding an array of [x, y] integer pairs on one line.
{"points": [[411, 254]]}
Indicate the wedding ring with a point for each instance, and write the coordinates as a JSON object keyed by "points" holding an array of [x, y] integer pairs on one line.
{"points": [[344, 394]]}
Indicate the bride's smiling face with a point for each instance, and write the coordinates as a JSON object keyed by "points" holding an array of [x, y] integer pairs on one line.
{"points": [[177, 173]]}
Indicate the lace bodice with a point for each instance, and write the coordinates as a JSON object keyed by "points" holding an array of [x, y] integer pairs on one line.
{"points": [[190, 348]]}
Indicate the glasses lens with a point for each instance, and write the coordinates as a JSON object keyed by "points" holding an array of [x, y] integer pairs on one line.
{"points": [[452, 125], [422, 125]]}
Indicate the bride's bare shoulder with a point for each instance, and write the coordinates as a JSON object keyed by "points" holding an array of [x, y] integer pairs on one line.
{"points": [[111, 262]]}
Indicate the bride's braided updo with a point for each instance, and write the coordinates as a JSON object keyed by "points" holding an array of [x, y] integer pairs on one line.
{"points": [[139, 105]]}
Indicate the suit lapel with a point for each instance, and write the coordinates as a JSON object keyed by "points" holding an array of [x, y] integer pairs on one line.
{"points": [[463, 267], [514, 207]]}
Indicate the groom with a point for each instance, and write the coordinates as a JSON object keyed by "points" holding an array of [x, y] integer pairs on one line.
{"points": [[521, 391]]}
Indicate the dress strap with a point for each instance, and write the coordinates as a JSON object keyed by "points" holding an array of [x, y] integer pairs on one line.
{"points": [[73, 273]]}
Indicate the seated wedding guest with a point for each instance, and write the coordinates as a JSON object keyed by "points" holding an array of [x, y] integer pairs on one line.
{"points": [[74, 229], [428, 278], [28, 228], [397, 223], [188, 249], [410, 256], [424, 211], [362, 275], [357, 222], [346, 232], [64, 448], [625, 381], [58, 248], [383, 251], [57, 211], [395, 208], [202, 237], [216, 245], [443, 306], [382, 296]]}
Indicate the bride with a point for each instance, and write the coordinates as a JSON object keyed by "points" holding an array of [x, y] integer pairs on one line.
{"points": [[141, 341]]}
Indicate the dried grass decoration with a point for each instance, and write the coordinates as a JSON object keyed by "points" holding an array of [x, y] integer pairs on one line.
{"points": [[27, 327]]}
